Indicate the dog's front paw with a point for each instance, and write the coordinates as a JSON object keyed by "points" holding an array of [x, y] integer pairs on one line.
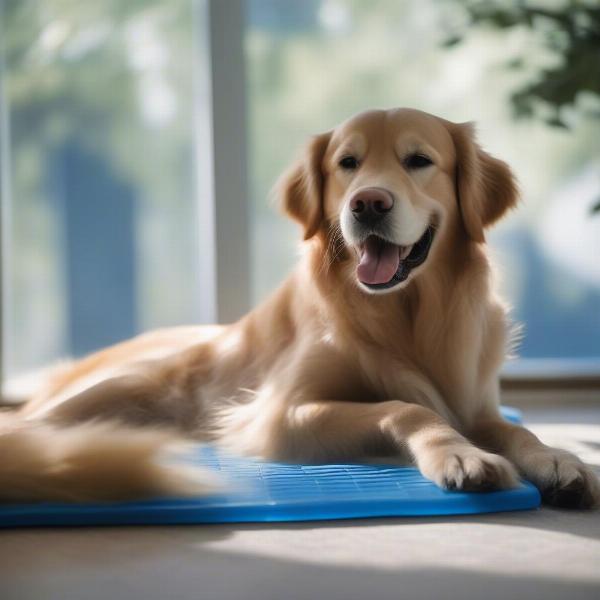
{"points": [[468, 468], [563, 480]]}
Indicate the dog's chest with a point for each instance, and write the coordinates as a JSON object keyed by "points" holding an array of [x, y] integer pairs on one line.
{"points": [[417, 375]]}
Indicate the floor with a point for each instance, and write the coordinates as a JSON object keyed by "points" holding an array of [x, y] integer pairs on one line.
{"points": [[537, 554]]}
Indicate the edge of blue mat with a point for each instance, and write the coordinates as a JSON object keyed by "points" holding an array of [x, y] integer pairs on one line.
{"points": [[189, 512]]}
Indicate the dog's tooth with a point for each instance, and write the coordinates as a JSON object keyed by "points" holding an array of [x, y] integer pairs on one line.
{"points": [[405, 251]]}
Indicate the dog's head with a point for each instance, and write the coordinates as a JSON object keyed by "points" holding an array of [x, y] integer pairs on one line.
{"points": [[398, 185]]}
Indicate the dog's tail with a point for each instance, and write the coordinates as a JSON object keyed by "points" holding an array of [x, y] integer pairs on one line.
{"points": [[96, 461]]}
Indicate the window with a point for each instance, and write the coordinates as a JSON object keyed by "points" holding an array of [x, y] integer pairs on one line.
{"points": [[98, 173], [128, 130]]}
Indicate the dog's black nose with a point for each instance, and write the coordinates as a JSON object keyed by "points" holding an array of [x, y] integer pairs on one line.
{"points": [[369, 206]]}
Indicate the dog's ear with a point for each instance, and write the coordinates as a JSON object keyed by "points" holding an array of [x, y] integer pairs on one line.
{"points": [[486, 186], [300, 189]]}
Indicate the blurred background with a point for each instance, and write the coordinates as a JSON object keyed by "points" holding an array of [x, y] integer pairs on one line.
{"points": [[100, 154]]}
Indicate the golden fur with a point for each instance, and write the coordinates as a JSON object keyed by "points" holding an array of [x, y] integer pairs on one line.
{"points": [[325, 369]]}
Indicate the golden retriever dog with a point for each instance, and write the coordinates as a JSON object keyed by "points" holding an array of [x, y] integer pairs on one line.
{"points": [[387, 339]]}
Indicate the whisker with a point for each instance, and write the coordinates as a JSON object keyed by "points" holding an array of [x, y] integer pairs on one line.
{"points": [[334, 248]]}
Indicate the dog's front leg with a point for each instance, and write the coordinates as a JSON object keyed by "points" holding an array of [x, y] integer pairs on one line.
{"points": [[330, 430], [561, 477]]}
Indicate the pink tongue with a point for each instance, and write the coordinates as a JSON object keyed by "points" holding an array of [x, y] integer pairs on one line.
{"points": [[378, 262]]}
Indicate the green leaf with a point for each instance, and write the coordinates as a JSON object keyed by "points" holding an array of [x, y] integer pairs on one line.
{"points": [[452, 41], [557, 122]]}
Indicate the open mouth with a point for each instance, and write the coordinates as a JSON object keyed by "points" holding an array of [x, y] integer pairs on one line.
{"points": [[383, 264]]}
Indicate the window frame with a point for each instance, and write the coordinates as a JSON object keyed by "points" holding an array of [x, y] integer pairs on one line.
{"points": [[551, 382], [222, 177], [5, 189]]}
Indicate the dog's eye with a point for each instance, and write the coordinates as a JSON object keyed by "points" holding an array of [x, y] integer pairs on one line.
{"points": [[349, 163], [417, 161]]}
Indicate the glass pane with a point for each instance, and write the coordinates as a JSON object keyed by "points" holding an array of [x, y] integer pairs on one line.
{"points": [[312, 64], [101, 198]]}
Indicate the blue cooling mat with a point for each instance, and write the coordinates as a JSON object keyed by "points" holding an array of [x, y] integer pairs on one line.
{"points": [[270, 492]]}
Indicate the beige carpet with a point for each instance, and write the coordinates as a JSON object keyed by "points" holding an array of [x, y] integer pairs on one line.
{"points": [[541, 554]]}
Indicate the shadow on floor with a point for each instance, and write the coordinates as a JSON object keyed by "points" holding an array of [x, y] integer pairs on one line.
{"points": [[216, 576]]}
